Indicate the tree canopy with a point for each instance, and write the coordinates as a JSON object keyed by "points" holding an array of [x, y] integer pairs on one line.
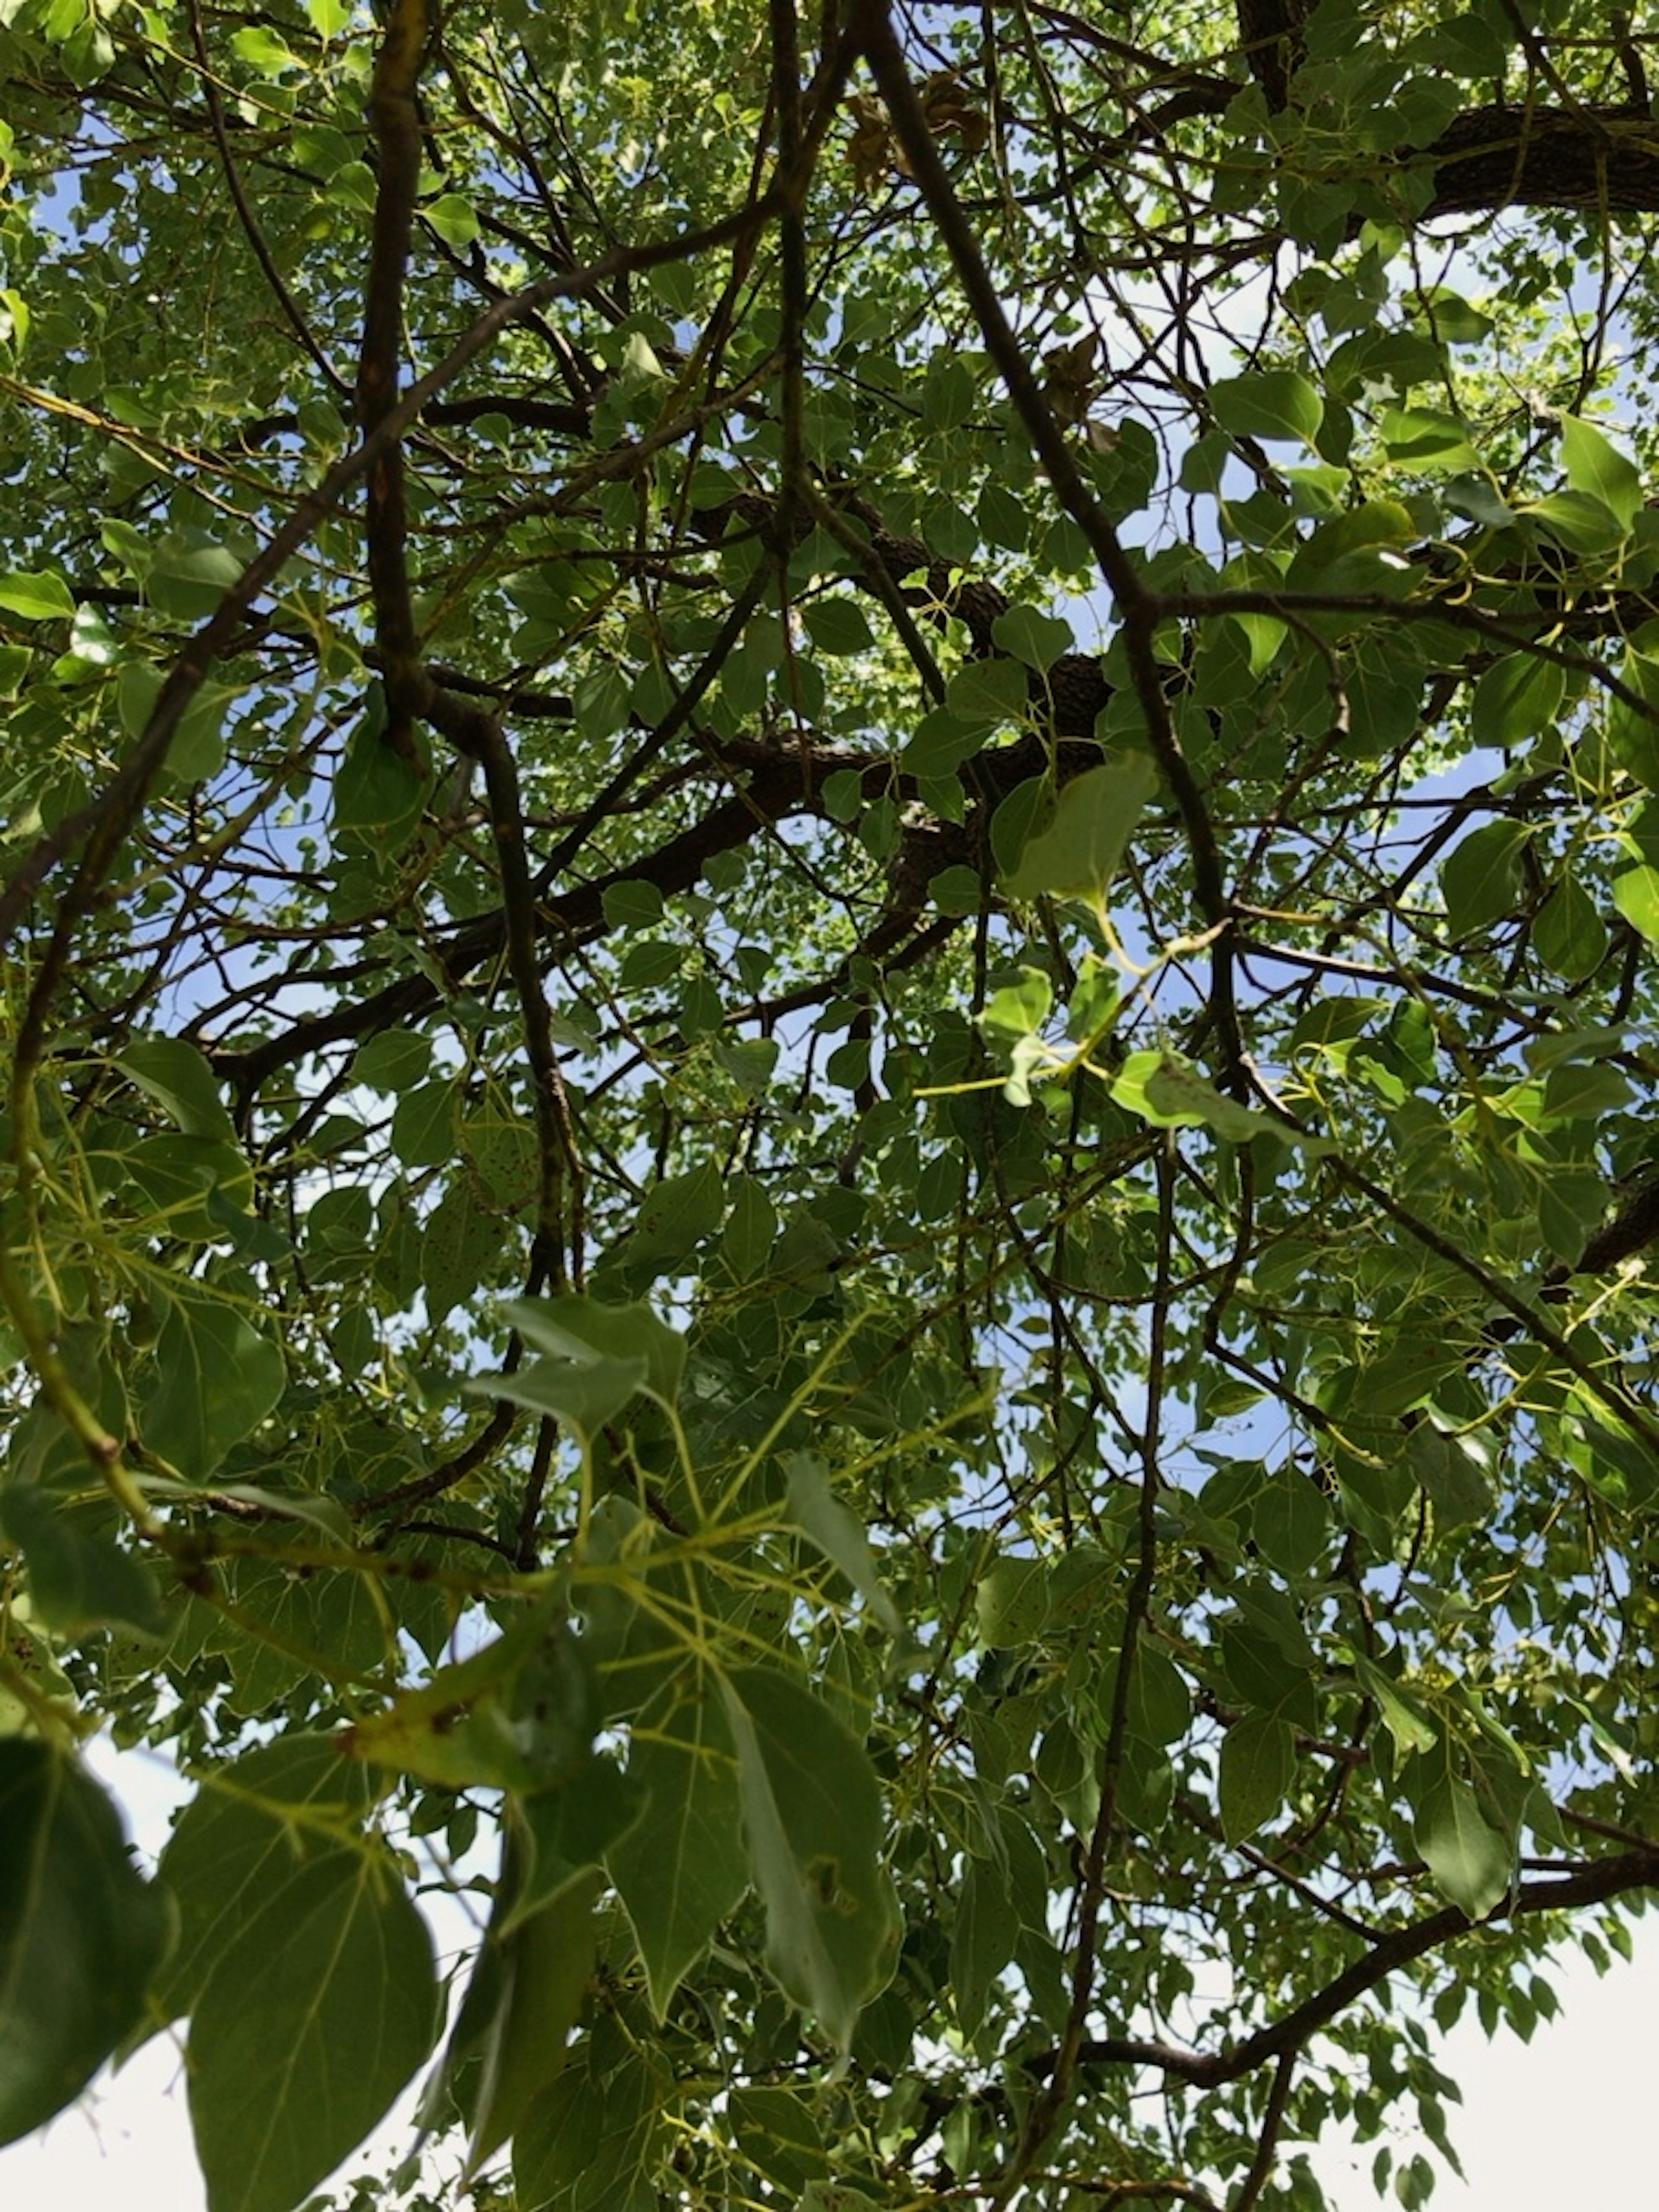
{"points": [[831, 876]]}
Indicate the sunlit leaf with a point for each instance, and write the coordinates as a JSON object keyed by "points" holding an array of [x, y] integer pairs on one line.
{"points": [[1269, 403], [1076, 853], [1472, 1864]]}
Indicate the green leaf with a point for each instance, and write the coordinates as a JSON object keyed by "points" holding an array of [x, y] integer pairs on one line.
{"points": [[79, 1579], [774, 2128], [1568, 934], [589, 1333], [454, 218], [985, 697], [1454, 1478], [262, 50], [571, 1827], [1168, 1091], [674, 1218], [218, 1378], [677, 1872], [197, 750], [397, 1060], [1011, 1602], [379, 796], [318, 2009], [1029, 635], [542, 1965], [1481, 878], [461, 1246], [424, 1125], [1633, 725], [1257, 1772], [1404, 1720], [984, 1931], [197, 1186], [38, 596], [1020, 1008], [1290, 1520], [1076, 853], [813, 1827], [1636, 895], [1516, 699], [585, 1398], [1581, 523], [751, 1225], [631, 904], [247, 1826], [1583, 1092], [1473, 1866], [1421, 438], [81, 1934], [1268, 402], [1597, 467], [837, 1533], [837, 626], [187, 578]]}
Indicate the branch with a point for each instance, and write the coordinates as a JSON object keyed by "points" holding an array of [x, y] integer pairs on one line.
{"points": [[1600, 157], [1596, 1884]]}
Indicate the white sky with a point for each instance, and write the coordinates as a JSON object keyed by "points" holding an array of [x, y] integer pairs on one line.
{"points": [[1567, 2120]]}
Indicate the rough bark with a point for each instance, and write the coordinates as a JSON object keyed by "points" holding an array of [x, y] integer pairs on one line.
{"points": [[1604, 157]]}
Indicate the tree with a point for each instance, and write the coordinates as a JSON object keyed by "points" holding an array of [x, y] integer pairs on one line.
{"points": [[830, 884]]}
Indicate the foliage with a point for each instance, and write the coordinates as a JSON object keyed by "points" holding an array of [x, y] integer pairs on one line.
{"points": [[829, 876]]}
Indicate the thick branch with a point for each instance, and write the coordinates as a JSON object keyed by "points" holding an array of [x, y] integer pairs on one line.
{"points": [[1591, 157]]}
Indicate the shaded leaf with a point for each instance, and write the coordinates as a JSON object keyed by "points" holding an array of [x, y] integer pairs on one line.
{"points": [[984, 1931], [177, 1076], [677, 1870], [80, 1578], [1480, 879], [217, 1380], [1257, 1772], [588, 1332], [520, 1714], [775, 2129], [246, 1828], [812, 1826], [837, 1533], [1033, 637], [570, 1827], [545, 1962], [317, 2010], [81, 1934]]}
